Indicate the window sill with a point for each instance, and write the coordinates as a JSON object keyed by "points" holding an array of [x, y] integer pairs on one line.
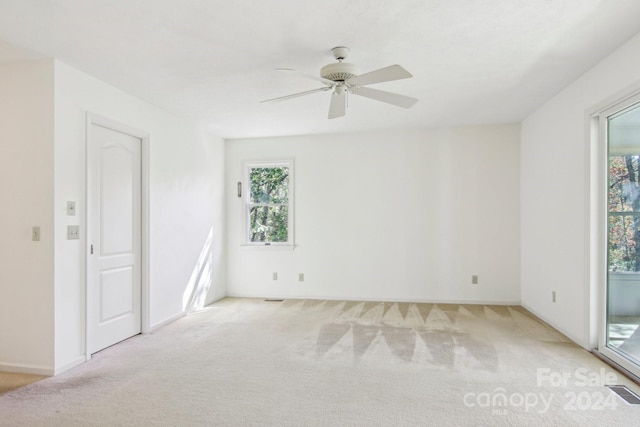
{"points": [[270, 247]]}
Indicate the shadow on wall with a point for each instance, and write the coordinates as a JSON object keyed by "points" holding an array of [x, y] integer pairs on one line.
{"points": [[195, 294]]}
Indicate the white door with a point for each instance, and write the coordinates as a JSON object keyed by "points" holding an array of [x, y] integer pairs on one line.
{"points": [[113, 236]]}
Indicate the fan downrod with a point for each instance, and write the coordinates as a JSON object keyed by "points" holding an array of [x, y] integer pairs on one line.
{"points": [[341, 71]]}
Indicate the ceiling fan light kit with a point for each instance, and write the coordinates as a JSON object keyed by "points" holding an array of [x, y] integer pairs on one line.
{"points": [[343, 79]]}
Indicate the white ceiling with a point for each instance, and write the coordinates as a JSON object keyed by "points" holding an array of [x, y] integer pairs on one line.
{"points": [[473, 61]]}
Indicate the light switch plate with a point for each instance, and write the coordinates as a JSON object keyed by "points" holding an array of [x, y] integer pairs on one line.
{"points": [[35, 233], [71, 208]]}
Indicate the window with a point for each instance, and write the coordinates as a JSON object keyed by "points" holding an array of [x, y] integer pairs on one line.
{"points": [[269, 203]]}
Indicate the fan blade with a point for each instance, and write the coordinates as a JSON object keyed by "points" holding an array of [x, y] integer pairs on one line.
{"points": [[388, 97], [295, 95], [386, 74], [308, 76], [338, 105]]}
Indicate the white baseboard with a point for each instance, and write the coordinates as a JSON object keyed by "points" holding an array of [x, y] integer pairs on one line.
{"points": [[561, 330], [418, 301], [26, 369], [40, 370], [75, 362], [165, 322], [211, 301]]}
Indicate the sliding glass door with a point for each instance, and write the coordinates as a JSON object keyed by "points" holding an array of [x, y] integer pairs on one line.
{"points": [[621, 335]]}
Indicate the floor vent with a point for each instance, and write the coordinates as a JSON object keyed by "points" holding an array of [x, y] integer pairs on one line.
{"points": [[274, 300], [625, 394]]}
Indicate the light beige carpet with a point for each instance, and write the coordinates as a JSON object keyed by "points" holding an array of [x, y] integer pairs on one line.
{"points": [[333, 363]]}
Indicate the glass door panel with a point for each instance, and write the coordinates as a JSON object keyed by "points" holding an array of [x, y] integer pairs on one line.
{"points": [[623, 235]]}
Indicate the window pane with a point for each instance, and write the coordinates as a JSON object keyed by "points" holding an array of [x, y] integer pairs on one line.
{"points": [[268, 224], [624, 230], [269, 185], [624, 236], [624, 191]]}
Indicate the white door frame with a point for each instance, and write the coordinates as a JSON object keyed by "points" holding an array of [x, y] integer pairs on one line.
{"points": [[96, 119]]}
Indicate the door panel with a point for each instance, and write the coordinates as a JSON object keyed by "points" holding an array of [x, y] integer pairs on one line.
{"points": [[117, 202], [114, 223], [117, 290]]}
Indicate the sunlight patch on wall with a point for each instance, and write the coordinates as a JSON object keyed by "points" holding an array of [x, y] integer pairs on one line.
{"points": [[195, 294]]}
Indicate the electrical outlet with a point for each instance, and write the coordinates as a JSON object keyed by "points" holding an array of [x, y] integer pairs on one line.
{"points": [[73, 232], [474, 280], [553, 296], [274, 276], [300, 277]]}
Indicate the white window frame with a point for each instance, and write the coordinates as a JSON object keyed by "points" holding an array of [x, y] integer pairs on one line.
{"points": [[247, 166]]}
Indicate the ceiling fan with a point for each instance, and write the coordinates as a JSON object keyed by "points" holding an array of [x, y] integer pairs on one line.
{"points": [[342, 78]]}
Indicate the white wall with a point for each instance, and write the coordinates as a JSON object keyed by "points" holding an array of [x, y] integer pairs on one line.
{"points": [[555, 188], [186, 205], [43, 107], [388, 216], [26, 197]]}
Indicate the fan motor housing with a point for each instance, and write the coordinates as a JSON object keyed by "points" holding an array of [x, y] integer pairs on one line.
{"points": [[338, 72]]}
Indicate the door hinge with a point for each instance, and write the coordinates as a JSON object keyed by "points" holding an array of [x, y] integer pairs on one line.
{"points": [[91, 249]]}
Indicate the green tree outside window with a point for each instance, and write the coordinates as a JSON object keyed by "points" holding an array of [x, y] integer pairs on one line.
{"points": [[269, 204], [624, 213]]}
